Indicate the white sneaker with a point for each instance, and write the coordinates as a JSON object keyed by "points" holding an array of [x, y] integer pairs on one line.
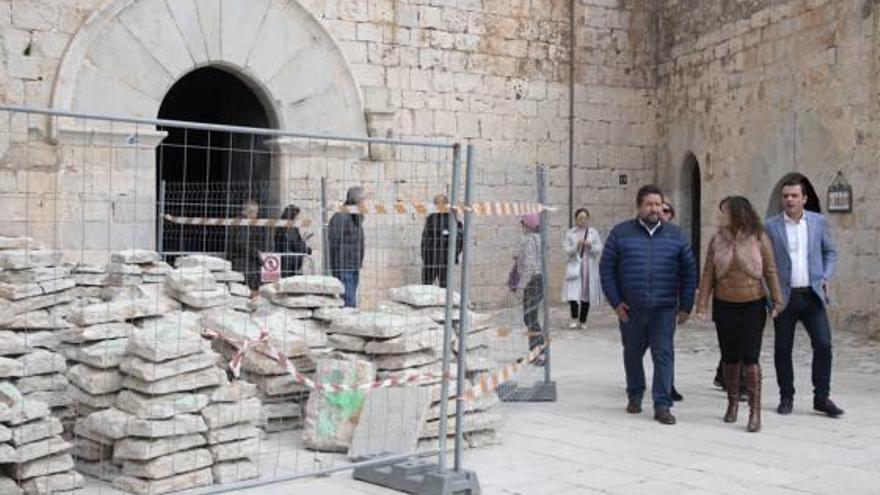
{"points": [[581, 326], [573, 325]]}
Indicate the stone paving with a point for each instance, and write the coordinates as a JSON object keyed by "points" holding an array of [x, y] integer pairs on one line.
{"points": [[585, 443]]}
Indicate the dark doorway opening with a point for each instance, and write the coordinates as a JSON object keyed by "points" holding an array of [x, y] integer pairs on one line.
{"points": [[693, 202], [209, 173], [775, 205]]}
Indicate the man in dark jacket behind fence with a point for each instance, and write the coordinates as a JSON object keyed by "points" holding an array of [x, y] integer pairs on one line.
{"points": [[345, 239], [648, 276], [435, 243]]}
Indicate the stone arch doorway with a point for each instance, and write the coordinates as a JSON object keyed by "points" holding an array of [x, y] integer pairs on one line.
{"points": [[692, 197], [128, 55], [774, 207], [202, 173]]}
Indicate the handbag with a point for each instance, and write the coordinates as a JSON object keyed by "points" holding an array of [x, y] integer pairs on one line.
{"points": [[572, 271], [513, 278]]}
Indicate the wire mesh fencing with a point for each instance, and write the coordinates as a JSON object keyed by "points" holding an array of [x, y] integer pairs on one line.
{"points": [[203, 306]]}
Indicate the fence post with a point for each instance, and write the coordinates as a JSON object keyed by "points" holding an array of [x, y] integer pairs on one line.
{"points": [[161, 227], [548, 386], [450, 307], [464, 322], [325, 249], [413, 475]]}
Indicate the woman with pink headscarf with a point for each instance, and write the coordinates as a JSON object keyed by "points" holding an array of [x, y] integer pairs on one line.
{"points": [[528, 267]]}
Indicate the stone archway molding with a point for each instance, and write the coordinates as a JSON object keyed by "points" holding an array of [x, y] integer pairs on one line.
{"points": [[128, 54]]}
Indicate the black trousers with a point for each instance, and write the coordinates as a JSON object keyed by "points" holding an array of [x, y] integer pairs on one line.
{"points": [[806, 307], [740, 329], [579, 310], [532, 297], [433, 272]]}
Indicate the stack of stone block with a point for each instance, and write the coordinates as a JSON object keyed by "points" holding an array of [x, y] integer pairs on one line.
{"points": [[97, 343], [38, 459], [481, 424], [233, 437], [155, 428], [139, 262], [300, 340], [196, 288], [222, 273], [36, 292], [128, 268]]}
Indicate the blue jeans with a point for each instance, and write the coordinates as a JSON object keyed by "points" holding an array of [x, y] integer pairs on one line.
{"points": [[349, 279], [804, 306], [649, 329]]}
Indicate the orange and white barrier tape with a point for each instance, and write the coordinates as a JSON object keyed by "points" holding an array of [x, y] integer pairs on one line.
{"points": [[236, 222], [244, 345], [497, 208], [484, 208], [488, 383]]}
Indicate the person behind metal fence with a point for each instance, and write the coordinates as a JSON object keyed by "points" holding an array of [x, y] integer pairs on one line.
{"points": [[291, 244], [244, 245], [345, 239], [806, 257], [435, 243], [667, 214], [583, 247], [528, 282], [739, 264], [649, 277]]}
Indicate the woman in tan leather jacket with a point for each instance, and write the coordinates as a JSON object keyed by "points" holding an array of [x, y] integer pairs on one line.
{"points": [[739, 265]]}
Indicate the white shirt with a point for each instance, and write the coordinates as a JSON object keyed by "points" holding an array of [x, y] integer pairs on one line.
{"points": [[798, 251], [650, 230]]}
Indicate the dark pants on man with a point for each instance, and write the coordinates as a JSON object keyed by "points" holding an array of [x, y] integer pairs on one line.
{"points": [[806, 307], [653, 329], [433, 272]]}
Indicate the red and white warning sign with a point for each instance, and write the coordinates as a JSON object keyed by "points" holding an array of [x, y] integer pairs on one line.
{"points": [[271, 269]]}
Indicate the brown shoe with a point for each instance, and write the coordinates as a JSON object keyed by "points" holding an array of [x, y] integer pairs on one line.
{"points": [[731, 385], [664, 417], [634, 406], [753, 385]]}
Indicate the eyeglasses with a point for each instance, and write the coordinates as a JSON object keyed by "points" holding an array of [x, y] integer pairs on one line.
{"points": [[666, 210]]}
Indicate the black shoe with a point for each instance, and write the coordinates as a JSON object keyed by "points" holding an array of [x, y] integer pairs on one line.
{"points": [[634, 406], [786, 404], [664, 417], [827, 406], [677, 397]]}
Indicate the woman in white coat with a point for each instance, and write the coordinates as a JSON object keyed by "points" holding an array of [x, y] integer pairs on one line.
{"points": [[583, 249]]}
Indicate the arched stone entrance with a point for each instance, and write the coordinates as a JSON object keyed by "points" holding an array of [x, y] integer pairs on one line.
{"points": [[130, 57]]}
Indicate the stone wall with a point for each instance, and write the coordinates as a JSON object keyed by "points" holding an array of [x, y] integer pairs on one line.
{"points": [[492, 73], [759, 89]]}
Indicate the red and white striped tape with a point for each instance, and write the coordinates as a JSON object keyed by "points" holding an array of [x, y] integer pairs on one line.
{"points": [[488, 383]]}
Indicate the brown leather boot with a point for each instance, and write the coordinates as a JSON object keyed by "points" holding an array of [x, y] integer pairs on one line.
{"points": [[731, 385], [753, 386]]}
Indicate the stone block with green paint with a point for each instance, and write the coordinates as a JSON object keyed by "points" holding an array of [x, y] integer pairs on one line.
{"points": [[331, 417]]}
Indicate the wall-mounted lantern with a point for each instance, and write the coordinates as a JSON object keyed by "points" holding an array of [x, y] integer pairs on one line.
{"points": [[839, 195]]}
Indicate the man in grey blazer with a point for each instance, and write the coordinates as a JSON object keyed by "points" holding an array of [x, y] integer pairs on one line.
{"points": [[805, 257]]}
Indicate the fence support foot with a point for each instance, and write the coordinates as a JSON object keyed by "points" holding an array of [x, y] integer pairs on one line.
{"points": [[419, 477], [539, 392]]}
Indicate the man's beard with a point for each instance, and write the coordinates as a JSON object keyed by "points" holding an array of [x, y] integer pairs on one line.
{"points": [[651, 220]]}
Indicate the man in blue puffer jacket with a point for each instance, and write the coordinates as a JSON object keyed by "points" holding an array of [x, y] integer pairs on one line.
{"points": [[649, 275]]}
